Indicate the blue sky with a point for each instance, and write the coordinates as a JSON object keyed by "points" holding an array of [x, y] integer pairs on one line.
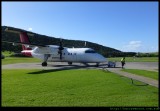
{"points": [[126, 26]]}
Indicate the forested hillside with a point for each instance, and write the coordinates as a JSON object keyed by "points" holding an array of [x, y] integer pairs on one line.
{"points": [[46, 40]]}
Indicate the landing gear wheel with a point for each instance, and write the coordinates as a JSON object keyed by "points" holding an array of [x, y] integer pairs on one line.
{"points": [[44, 63], [97, 65], [70, 63]]}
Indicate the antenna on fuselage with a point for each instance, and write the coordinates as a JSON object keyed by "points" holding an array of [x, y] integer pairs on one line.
{"points": [[85, 44]]}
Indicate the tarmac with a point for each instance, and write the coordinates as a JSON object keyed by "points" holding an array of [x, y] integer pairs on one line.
{"points": [[151, 66]]}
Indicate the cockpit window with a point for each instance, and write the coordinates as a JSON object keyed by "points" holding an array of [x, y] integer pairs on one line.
{"points": [[90, 51]]}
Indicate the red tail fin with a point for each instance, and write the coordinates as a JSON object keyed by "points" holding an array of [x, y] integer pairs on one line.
{"points": [[24, 38]]}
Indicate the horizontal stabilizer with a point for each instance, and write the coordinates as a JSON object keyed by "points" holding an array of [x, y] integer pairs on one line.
{"points": [[30, 44], [17, 32]]}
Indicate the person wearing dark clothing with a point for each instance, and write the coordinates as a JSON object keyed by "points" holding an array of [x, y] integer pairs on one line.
{"points": [[123, 61]]}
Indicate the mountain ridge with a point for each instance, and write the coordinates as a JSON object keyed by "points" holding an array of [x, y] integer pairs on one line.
{"points": [[48, 40]]}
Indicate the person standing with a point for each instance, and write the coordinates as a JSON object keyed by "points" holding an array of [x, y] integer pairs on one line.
{"points": [[123, 61]]}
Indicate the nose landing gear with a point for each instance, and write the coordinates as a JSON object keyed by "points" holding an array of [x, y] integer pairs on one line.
{"points": [[97, 65]]}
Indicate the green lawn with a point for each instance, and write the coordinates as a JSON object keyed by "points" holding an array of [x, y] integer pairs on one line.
{"points": [[131, 59], [150, 74], [24, 87], [13, 60], [7, 53]]}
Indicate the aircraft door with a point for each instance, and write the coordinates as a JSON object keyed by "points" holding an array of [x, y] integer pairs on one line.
{"points": [[74, 57]]}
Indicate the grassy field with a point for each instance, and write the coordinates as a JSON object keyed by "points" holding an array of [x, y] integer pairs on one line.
{"points": [[12, 60], [131, 59], [24, 87], [150, 74], [7, 53]]}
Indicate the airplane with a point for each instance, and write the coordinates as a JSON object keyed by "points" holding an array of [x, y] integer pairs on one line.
{"points": [[55, 53]]}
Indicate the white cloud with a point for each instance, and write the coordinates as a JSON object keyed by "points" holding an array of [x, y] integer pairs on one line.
{"points": [[132, 46], [30, 29], [153, 49], [138, 46], [134, 42]]}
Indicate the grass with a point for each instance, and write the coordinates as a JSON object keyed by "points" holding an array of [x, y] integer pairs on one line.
{"points": [[132, 59], [24, 87], [150, 74], [7, 53], [13, 60]]}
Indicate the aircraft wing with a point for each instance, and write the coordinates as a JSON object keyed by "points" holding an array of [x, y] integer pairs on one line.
{"points": [[30, 44]]}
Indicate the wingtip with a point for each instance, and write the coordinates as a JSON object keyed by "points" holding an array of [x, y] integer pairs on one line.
{"points": [[30, 34]]}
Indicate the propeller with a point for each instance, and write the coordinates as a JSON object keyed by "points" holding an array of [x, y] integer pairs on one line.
{"points": [[60, 48]]}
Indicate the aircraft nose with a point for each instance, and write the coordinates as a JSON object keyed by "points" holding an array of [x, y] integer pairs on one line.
{"points": [[101, 58]]}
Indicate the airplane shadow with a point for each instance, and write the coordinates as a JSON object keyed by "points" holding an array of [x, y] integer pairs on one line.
{"points": [[65, 67], [114, 67], [101, 66], [44, 71]]}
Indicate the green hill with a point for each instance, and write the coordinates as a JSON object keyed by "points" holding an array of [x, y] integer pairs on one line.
{"points": [[47, 40]]}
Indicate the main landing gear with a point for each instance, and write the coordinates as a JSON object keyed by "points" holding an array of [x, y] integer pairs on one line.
{"points": [[44, 63], [70, 63], [97, 65], [45, 59]]}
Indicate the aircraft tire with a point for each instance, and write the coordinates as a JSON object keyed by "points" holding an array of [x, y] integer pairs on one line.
{"points": [[70, 63], [97, 65], [44, 63]]}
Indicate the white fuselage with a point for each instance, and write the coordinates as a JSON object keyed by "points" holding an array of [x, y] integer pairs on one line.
{"points": [[83, 55]]}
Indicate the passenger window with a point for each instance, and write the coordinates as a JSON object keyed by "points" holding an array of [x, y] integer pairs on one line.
{"points": [[90, 51]]}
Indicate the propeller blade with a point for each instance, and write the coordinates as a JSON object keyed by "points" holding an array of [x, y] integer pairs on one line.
{"points": [[60, 48]]}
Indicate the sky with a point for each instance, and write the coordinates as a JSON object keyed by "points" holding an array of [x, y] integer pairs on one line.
{"points": [[126, 26]]}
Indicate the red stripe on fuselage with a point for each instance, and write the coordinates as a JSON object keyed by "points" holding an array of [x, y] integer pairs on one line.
{"points": [[27, 53]]}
